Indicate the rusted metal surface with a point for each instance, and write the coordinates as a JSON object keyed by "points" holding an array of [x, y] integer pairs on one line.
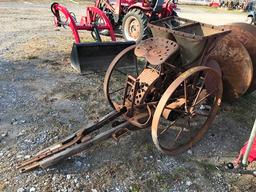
{"points": [[236, 66], [246, 34], [187, 29], [193, 38]]}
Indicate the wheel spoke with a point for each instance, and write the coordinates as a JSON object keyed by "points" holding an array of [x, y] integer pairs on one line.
{"points": [[116, 90], [120, 72], [136, 64], [185, 95], [190, 131], [202, 99], [164, 130], [202, 114], [177, 110], [183, 128], [178, 134], [199, 91], [189, 124]]}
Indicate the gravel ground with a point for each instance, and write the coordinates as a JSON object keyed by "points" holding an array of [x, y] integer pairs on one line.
{"points": [[43, 99]]}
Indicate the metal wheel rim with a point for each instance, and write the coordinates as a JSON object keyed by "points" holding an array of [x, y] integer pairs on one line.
{"points": [[132, 28], [106, 85], [167, 95]]}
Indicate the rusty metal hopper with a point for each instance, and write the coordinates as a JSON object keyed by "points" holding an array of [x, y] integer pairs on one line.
{"points": [[213, 43], [193, 37]]}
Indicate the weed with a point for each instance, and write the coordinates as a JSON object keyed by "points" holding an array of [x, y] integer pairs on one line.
{"points": [[180, 173], [134, 188], [244, 110], [207, 166], [30, 57]]}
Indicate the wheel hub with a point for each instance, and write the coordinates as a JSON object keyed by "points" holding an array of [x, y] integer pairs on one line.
{"points": [[134, 28]]}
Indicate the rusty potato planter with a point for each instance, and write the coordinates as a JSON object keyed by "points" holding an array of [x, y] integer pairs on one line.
{"points": [[173, 84]]}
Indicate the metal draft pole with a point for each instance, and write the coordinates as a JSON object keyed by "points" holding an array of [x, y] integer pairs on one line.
{"points": [[249, 145]]}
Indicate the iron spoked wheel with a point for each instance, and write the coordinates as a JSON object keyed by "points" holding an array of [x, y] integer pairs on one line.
{"points": [[134, 25], [115, 79], [186, 110]]}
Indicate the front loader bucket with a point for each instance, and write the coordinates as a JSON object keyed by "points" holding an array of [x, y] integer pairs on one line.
{"points": [[95, 56]]}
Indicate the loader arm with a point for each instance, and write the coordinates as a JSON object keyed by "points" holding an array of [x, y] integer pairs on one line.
{"points": [[88, 22]]}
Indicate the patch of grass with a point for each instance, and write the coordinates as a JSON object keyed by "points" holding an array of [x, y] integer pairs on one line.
{"points": [[31, 57], [149, 147], [57, 123], [51, 62], [64, 111], [244, 110], [160, 177], [73, 121], [135, 187], [157, 181], [70, 96], [180, 173], [207, 166]]}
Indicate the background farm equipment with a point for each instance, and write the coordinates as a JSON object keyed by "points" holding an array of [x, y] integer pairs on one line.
{"points": [[251, 13], [174, 85], [129, 16], [93, 55], [133, 16]]}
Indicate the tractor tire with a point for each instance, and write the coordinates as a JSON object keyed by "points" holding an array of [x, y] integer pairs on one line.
{"points": [[134, 26]]}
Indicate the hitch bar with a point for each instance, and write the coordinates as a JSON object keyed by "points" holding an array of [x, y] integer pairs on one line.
{"points": [[74, 143]]}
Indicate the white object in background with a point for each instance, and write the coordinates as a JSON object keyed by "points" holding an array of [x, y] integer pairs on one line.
{"points": [[249, 145]]}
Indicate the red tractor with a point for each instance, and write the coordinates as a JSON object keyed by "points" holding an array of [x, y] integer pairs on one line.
{"points": [[130, 17], [133, 15]]}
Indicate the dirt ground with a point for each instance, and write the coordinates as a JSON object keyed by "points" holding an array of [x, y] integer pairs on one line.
{"points": [[42, 99]]}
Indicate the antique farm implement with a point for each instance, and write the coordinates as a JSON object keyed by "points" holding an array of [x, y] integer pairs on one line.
{"points": [[108, 18], [174, 85]]}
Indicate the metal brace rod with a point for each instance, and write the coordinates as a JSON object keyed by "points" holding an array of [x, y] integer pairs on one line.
{"points": [[249, 145]]}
